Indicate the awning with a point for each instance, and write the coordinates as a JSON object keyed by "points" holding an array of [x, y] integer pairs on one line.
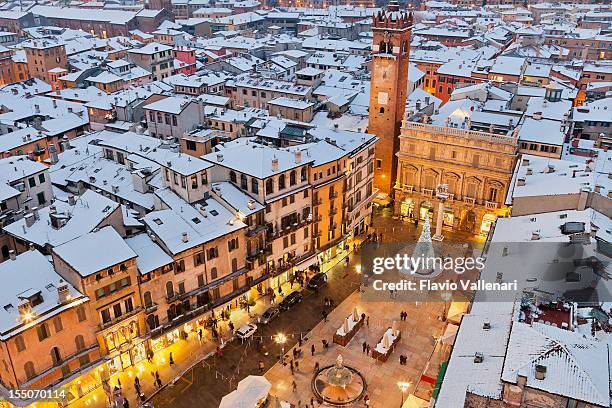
{"points": [[302, 266], [249, 393], [449, 335]]}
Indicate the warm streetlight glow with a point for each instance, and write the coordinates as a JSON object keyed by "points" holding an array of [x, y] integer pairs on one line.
{"points": [[27, 316], [403, 385], [280, 338], [358, 268]]}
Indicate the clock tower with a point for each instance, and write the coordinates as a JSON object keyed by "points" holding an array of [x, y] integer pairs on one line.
{"points": [[388, 89]]}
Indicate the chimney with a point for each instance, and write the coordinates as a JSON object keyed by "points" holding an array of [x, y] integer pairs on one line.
{"points": [[36, 108], [71, 200], [550, 168], [63, 292], [540, 372], [486, 325], [298, 156], [275, 164], [219, 157], [29, 220], [32, 247], [535, 235], [54, 103], [529, 171], [478, 357], [35, 213], [12, 255], [537, 115], [185, 237], [520, 181]]}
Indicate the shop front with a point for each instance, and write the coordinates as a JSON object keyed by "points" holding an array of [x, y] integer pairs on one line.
{"points": [[487, 223], [425, 210], [407, 208], [448, 217]]}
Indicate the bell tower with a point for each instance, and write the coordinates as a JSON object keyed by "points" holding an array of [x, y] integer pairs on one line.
{"points": [[388, 89]]}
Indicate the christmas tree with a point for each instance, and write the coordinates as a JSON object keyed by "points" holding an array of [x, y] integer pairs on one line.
{"points": [[423, 254]]}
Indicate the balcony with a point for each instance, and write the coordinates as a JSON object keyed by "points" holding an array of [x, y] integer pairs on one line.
{"points": [[112, 322], [332, 195], [317, 201], [469, 200], [151, 308], [427, 192], [252, 231], [333, 211], [490, 205]]}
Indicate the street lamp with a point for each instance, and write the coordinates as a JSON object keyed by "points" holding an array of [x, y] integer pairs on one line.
{"points": [[403, 386], [280, 338], [358, 268]]}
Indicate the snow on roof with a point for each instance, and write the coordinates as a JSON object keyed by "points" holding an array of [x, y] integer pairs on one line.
{"points": [[85, 256], [462, 373], [201, 223], [18, 168], [150, 48], [291, 103], [68, 13], [253, 159], [236, 198], [170, 104], [150, 255], [36, 276], [599, 110], [508, 65], [577, 367], [542, 131], [61, 125], [309, 71], [549, 110], [90, 210]]}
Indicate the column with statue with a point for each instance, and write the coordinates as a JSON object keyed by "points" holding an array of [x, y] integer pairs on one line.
{"points": [[442, 195]]}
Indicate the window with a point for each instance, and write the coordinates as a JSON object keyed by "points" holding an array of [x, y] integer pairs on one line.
{"points": [[303, 174], [191, 145], [117, 312], [213, 273], [29, 370], [292, 178], [129, 306], [201, 280], [232, 177], [285, 242], [198, 259], [234, 265], [181, 288], [43, 331], [232, 244], [20, 343], [254, 186], [213, 253], [105, 314], [180, 266], [41, 198], [56, 357], [148, 300], [41, 178], [378, 164], [81, 316], [32, 182], [243, 182], [79, 342], [269, 186], [281, 182], [57, 324], [169, 290]]}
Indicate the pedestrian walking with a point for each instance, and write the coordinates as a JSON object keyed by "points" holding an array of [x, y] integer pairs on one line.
{"points": [[200, 335], [316, 367], [366, 400], [231, 326], [297, 366], [363, 316], [294, 386], [324, 316], [261, 366], [126, 403], [158, 382], [311, 402], [368, 321], [368, 350], [364, 346], [299, 405], [171, 359], [312, 350]]}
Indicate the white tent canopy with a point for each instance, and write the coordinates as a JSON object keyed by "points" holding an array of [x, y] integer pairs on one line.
{"points": [[249, 393]]}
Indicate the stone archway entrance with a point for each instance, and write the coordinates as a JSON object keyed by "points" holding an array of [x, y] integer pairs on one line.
{"points": [[425, 209]]}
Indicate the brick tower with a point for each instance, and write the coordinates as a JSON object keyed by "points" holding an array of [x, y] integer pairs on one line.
{"points": [[388, 89]]}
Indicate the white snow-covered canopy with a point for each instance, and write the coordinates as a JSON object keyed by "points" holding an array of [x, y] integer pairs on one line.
{"points": [[248, 394]]}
